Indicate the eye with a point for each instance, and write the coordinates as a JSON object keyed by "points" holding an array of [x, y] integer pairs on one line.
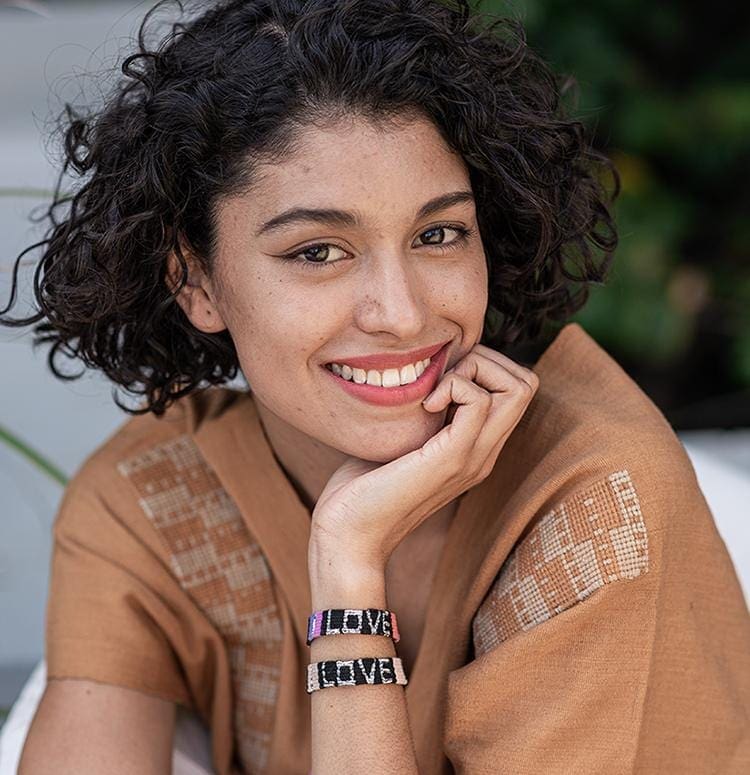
{"points": [[439, 232], [316, 256]]}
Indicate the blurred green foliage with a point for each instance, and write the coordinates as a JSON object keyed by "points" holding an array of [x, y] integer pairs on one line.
{"points": [[665, 88]]}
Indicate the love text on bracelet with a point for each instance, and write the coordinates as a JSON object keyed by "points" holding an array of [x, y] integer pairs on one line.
{"points": [[353, 672], [352, 621]]}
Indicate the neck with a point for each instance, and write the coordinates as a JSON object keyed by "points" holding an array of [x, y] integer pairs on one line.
{"points": [[309, 464], [306, 461]]}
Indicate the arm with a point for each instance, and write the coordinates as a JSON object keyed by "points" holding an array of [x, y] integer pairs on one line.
{"points": [[365, 510], [112, 644], [86, 727], [369, 723]]}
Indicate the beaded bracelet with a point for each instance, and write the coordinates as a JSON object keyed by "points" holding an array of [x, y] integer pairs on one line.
{"points": [[353, 672], [352, 621]]}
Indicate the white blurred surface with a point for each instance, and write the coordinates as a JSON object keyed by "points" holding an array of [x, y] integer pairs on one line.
{"points": [[721, 459]]}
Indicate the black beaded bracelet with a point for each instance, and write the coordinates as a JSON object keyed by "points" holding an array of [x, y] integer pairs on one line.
{"points": [[352, 621], [354, 672]]}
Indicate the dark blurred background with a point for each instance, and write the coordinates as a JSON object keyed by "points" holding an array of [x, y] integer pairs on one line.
{"points": [[666, 89]]}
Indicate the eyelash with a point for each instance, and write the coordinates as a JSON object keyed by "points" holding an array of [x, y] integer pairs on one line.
{"points": [[463, 236]]}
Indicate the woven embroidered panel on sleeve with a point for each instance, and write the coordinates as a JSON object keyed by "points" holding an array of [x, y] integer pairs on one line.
{"points": [[355, 672], [352, 621]]}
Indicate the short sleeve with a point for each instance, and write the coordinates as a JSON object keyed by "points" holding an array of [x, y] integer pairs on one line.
{"points": [[614, 639], [113, 609]]}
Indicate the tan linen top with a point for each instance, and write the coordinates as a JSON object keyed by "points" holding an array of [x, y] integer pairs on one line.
{"points": [[585, 615]]}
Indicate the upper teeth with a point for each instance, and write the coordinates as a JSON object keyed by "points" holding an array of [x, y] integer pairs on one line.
{"points": [[387, 378]]}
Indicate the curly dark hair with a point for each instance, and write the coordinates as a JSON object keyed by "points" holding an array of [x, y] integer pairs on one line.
{"points": [[236, 83]]}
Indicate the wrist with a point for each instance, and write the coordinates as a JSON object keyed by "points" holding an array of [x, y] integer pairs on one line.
{"points": [[347, 592], [340, 560], [342, 582]]}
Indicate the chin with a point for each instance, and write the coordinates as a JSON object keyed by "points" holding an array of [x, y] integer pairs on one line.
{"points": [[387, 451]]}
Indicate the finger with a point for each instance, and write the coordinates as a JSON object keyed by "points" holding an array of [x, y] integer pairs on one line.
{"points": [[510, 397], [512, 366], [461, 386], [492, 374], [472, 403]]}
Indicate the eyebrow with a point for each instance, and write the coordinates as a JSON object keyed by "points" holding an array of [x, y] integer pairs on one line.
{"points": [[347, 218]]}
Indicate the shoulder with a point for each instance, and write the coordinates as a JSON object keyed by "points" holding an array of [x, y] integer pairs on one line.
{"points": [[603, 493], [586, 400], [142, 436], [144, 466], [590, 425]]}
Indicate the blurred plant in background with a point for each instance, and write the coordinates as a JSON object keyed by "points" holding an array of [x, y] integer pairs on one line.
{"points": [[666, 88]]}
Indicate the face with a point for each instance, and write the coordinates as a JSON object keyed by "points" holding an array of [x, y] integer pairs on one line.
{"points": [[383, 278]]}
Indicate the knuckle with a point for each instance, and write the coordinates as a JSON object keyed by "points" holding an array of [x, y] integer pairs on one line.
{"points": [[532, 378], [485, 398], [486, 469], [527, 390]]}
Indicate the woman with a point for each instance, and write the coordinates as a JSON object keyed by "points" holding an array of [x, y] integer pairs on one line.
{"points": [[359, 204]]}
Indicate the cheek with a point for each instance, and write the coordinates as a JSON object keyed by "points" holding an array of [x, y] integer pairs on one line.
{"points": [[280, 333], [463, 293]]}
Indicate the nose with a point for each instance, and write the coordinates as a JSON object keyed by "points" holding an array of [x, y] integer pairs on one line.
{"points": [[393, 298]]}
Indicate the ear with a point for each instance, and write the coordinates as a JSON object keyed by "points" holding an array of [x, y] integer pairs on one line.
{"points": [[196, 297]]}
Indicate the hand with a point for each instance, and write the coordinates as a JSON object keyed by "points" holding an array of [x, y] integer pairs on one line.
{"points": [[366, 509]]}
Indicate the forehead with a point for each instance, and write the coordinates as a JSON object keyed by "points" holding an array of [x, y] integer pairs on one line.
{"points": [[355, 142], [356, 164]]}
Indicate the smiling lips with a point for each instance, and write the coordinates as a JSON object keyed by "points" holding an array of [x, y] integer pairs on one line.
{"points": [[383, 361], [400, 394]]}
